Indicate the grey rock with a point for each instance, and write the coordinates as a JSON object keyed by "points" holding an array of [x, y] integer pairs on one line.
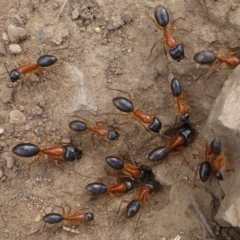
{"points": [[10, 162], [115, 22], [34, 111], [2, 49], [6, 93], [81, 99], [16, 34], [16, 117], [48, 210], [15, 48], [1, 173], [127, 17], [75, 13], [224, 121], [5, 37]]}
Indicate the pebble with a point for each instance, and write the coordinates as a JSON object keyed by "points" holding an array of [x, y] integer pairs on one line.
{"points": [[48, 210], [15, 48], [97, 29], [5, 37], [1, 173], [115, 22], [10, 162], [16, 34], [2, 49], [16, 117], [1, 131], [37, 219], [75, 13], [66, 141]]}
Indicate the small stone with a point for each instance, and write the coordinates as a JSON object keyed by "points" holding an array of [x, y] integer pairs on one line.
{"points": [[16, 117], [2, 49], [185, 178], [1, 173], [66, 141], [75, 13], [1, 131], [127, 18], [48, 210], [22, 108], [97, 29], [115, 23], [28, 127], [10, 162], [15, 48], [5, 37], [3, 179], [16, 34], [37, 219]]}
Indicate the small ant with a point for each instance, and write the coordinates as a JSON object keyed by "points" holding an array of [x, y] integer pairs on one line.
{"points": [[141, 197], [80, 126], [28, 69], [141, 173], [119, 188], [209, 57], [214, 159], [125, 105], [161, 21], [176, 91], [181, 139], [76, 217], [68, 153]]}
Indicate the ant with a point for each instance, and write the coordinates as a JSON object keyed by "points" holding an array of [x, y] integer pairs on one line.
{"points": [[209, 57], [141, 173], [181, 139], [76, 217], [161, 21], [100, 188], [81, 126], [68, 153], [28, 69], [176, 91], [214, 159], [125, 105]]}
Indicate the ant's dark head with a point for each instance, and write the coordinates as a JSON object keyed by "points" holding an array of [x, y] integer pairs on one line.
{"points": [[14, 75], [185, 118], [177, 53], [219, 176], [89, 216], [155, 126], [113, 135]]}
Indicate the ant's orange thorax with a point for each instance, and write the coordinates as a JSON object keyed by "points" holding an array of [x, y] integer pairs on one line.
{"points": [[143, 117], [27, 68], [231, 60], [131, 171], [118, 188], [177, 141], [169, 39], [100, 131], [54, 151]]}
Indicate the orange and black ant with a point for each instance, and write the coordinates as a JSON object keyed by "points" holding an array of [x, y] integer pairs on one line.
{"points": [[76, 217], [97, 188], [177, 91], [215, 159], [161, 21], [126, 105], [209, 57], [64, 153], [99, 130], [28, 69], [181, 139], [142, 173]]}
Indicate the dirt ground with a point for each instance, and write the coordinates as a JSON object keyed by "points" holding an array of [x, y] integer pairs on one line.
{"points": [[109, 43]]}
